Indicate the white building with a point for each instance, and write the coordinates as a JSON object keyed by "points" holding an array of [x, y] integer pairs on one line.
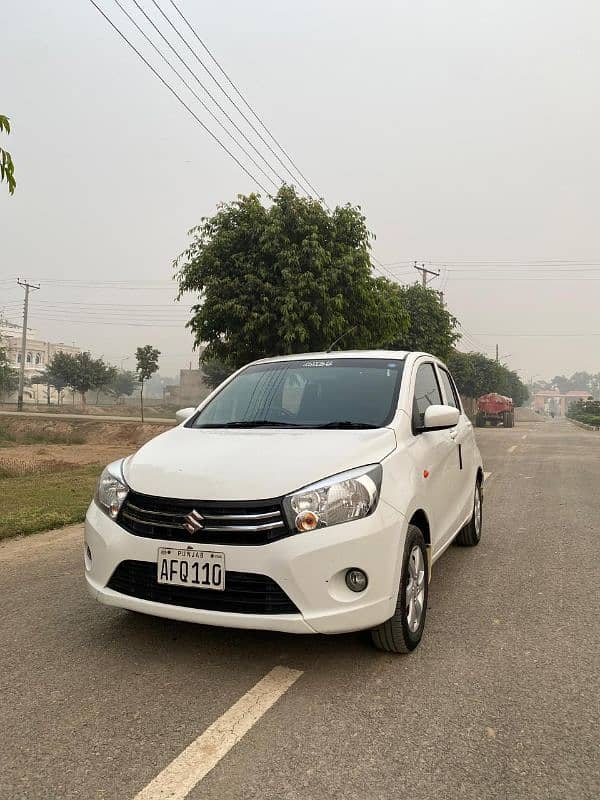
{"points": [[38, 354]]}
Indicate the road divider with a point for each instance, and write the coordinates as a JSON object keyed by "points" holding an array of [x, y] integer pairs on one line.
{"points": [[178, 779]]}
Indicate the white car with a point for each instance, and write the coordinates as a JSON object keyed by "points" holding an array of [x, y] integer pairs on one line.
{"points": [[307, 494]]}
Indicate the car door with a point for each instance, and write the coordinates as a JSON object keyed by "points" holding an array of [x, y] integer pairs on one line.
{"points": [[434, 455], [462, 436]]}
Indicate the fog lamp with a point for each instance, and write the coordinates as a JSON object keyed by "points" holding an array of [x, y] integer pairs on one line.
{"points": [[356, 580]]}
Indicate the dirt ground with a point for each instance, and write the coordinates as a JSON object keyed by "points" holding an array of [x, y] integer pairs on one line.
{"points": [[68, 443]]}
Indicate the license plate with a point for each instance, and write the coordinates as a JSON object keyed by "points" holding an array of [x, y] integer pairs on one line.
{"points": [[199, 569]]}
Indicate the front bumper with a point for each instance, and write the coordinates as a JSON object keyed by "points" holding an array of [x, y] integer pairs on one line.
{"points": [[309, 567]]}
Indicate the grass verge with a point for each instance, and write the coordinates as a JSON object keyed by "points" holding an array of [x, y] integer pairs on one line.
{"points": [[32, 503], [9, 439]]}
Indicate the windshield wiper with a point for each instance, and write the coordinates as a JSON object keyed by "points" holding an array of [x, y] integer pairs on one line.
{"points": [[251, 423], [346, 424]]}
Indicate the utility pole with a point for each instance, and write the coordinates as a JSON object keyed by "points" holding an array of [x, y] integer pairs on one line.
{"points": [[27, 286], [424, 273], [497, 354], [441, 296]]}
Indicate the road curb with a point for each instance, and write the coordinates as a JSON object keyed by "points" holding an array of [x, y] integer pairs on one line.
{"points": [[583, 425]]}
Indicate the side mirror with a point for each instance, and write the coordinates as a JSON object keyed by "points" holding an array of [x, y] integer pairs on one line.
{"points": [[183, 414], [440, 417]]}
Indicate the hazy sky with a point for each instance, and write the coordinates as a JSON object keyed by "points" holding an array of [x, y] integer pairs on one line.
{"points": [[468, 131]]}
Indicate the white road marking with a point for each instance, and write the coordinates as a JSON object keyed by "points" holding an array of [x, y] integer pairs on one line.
{"points": [[512, 449], [524, 436], [486, 475], [178, 779]]}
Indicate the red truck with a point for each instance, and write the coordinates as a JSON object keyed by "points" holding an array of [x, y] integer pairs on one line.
{"points": [[495, 409]]}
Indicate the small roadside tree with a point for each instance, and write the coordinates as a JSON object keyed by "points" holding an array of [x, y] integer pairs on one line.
{"points": [[54, 375], [146, 365], [122, 385], [9, 378], [105, 375], [79, 371]]}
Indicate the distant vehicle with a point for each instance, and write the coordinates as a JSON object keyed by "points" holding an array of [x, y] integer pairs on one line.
{"points": [[495, 409], [308, 494]]}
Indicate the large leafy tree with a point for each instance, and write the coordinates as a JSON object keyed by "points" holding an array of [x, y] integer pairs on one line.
{"points": [[476, 374], [287, 278], [146, 358], [431, 327], [7, 168], [215, 372]]}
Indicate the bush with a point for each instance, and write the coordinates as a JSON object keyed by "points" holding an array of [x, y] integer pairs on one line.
{"points": [[587, 411]]}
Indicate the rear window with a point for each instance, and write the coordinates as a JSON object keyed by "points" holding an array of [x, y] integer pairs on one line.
{"points": [[316, 393]]}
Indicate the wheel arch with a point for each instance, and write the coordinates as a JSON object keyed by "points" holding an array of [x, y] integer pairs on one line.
{"points": [[420, 519]]}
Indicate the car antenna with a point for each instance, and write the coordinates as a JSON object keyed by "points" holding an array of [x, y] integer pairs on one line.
{"points": [[339, 339]]}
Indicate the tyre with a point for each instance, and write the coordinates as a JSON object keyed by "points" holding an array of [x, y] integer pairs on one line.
{"points": [[511, 423], [479, 421], [470, 535], [402, 633]]}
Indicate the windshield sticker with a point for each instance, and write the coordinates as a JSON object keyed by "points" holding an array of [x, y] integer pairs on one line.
{"points": [[317, 363]]}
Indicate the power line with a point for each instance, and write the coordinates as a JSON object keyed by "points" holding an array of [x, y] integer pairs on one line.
{"points": [[189, 88], [202, 64], [208, 92], [246, 103], [183, 103]]}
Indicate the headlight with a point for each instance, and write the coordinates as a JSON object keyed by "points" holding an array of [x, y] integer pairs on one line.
{"points": [[341, 498], [112, 489]]}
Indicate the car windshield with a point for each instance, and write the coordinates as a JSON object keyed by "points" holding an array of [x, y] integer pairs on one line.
{"points": [[342, 393]]}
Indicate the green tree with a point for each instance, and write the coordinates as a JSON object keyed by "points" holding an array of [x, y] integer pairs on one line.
{"points": [[146, 365], [431, 327], [287, 278], [122, 385], [105, 375], [54, 375], [9, 378], [79, 371], [215, 372], [7, 168], [476, 374]]}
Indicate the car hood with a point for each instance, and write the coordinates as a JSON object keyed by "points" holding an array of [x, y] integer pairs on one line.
{"points": [[254, 464]]}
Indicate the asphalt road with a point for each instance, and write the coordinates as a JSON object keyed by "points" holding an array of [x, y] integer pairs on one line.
{"points": [[500, 701]]}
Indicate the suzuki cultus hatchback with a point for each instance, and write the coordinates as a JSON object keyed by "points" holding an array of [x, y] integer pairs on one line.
{"points": [[307, 494]]}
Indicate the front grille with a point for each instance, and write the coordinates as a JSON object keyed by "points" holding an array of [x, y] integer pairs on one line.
{"points": [[244, 523], [244, 593]]}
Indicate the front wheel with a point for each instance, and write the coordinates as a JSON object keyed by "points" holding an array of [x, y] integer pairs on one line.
{"points": [[403, 632]]}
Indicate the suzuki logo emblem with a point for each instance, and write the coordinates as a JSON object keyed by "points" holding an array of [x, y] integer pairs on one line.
{"points": [[193, 522]]}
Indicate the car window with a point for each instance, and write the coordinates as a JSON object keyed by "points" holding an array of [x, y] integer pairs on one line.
{"points": [[316, 393], [427, 393], [449, 390]]}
